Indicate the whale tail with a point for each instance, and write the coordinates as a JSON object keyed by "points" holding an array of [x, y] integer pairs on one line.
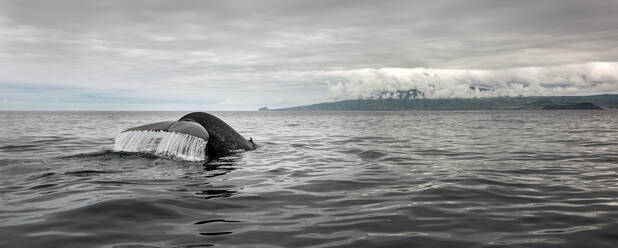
{"points": [[196, 136], [162, 143]]}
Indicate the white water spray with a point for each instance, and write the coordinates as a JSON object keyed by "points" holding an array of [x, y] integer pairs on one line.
{"points": [[168, 144]]}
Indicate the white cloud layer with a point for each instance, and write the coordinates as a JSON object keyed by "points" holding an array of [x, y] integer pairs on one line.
{"points": [[577, 79]]}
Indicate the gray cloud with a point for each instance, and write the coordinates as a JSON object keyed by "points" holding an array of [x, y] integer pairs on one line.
{"points": [[242, 54]]}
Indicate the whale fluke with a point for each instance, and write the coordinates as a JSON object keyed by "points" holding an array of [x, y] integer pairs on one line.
{"points": [[186, 127], [195, 136]]}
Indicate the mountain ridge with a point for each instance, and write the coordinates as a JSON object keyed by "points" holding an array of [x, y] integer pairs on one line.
{"points": [[489, 103]]}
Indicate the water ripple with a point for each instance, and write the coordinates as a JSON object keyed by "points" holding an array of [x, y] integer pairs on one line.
{"points": [[318, 179]]}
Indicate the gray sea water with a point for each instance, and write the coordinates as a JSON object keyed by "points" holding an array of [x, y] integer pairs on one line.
{"points": [[318, 179]]}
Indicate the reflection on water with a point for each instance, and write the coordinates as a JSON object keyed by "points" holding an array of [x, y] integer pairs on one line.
{"points": [[323, 179]]}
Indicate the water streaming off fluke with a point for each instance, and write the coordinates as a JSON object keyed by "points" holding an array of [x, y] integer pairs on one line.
{"points": [[168, 144]]}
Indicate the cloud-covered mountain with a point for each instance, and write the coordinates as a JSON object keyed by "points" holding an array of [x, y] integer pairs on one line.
{"points": [[488, 103]]}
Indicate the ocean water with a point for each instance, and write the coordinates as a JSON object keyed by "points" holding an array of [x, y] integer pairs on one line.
{"points": [[318, 179]]}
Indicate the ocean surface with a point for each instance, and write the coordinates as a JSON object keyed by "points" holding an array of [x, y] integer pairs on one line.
{"points": [[318, 179]]}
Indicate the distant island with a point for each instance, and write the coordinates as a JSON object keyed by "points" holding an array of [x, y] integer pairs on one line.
{"points": [[493, 103], [576, 106]]}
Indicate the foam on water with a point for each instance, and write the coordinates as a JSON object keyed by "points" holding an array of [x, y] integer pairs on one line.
{"points": [[168, 144]]}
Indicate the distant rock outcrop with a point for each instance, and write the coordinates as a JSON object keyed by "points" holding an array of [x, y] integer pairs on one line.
{"points": [[575, 106], [263, 109]]}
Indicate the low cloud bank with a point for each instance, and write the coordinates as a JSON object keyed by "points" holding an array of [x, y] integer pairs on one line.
{"points": [[576, 79]]}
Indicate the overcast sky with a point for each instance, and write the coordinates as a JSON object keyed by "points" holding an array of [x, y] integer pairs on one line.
{"points": [[241, 55]]}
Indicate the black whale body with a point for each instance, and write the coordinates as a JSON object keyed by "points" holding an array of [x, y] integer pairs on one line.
{"points": [[222, 138]]}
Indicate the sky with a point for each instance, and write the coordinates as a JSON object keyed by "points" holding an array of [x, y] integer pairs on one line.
{"points": [[242, 55]]}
